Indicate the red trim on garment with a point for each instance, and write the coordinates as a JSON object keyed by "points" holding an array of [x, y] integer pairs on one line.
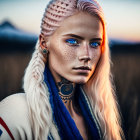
{"points": [[6, 128]]}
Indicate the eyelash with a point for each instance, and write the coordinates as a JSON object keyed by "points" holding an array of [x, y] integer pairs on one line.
{"points": [[96, 44], [74, 42]]}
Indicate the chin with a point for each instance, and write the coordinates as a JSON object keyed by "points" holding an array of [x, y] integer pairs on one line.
{"points": [[79, 80]]}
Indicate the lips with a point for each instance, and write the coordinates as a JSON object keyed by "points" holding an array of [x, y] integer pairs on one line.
{"points": [[83, 68]]}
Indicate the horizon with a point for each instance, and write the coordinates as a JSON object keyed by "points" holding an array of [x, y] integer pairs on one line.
{"points": [[122, 23], [9, 25]]}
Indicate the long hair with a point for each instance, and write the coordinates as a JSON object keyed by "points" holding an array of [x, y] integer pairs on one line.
{"points": [[99, 88]]}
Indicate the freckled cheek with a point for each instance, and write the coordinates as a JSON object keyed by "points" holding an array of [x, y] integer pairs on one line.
{"points": [[68, 54], [63, 55], [95, 57]]}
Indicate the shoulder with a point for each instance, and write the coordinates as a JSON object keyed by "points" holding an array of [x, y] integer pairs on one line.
{"points": [[14, 103], [14, 113], [14, 98]]}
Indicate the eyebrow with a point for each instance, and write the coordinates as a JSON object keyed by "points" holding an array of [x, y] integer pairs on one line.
{"points": [[82, 38]]}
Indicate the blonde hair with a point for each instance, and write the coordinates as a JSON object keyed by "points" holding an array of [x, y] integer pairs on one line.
{"points": [[99, 88]]}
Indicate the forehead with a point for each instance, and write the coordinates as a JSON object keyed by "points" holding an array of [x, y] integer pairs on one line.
{"points": [[82, 24]]}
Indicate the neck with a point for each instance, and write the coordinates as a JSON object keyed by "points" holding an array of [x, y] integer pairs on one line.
{"points": [[66, 92]]}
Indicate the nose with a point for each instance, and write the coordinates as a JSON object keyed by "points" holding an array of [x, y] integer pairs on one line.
{"points": [[84, 58], [84, 53]]}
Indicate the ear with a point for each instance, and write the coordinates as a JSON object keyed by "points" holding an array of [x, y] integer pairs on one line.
{"points": [[43, 42]]}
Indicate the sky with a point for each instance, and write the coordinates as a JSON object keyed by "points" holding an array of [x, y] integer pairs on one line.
{"points": [[122, 16]]}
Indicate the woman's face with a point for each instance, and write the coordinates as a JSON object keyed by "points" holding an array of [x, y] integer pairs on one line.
{"points": [[75, 48]]}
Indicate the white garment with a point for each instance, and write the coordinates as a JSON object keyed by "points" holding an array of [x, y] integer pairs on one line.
{"points": [[14, 112]]}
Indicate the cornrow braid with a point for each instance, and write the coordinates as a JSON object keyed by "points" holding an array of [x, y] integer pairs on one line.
{"points": [[56, 12]]}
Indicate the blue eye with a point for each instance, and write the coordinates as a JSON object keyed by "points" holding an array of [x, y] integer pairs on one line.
{"points": [[94, 44], [72, 41]]}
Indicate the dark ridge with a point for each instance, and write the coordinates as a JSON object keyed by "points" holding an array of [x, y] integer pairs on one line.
{"points": [[6, 23], [14, 39], [119, 46]]}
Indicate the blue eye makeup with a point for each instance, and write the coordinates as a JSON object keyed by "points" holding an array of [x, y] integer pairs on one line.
{"points": [[72, 41], [75, 42], [95, 44]]}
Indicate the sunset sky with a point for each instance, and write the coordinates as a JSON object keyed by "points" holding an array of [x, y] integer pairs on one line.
{"points": [[123, 16]]}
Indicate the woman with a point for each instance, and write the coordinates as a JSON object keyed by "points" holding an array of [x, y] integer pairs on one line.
{"points": [[68, 89]]}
